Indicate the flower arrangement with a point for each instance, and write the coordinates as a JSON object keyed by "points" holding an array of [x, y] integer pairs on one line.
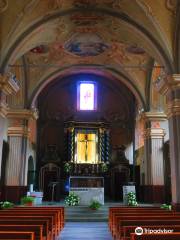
{"points": [[166, 206], [27, 200], [67, 167], [95, 205], [131, 198], [72, 199], [6, 204], [104, 167]]}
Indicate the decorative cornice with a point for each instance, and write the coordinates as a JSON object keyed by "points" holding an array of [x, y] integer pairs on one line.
{"points": [[23, 114], [154, 116], [3, 109], [164, 83], [155, 133], [173, 108], [8, 84], [21, 131]]}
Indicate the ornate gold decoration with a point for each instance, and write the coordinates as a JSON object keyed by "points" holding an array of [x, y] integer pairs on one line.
{"points": [[3, 5], [154, 116], [155, 133], [171, 5], [166, 83], [173, 108], [7, 84], [23, 114]]}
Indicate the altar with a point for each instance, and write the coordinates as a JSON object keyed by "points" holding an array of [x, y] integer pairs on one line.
{"points": [[87, 188]]}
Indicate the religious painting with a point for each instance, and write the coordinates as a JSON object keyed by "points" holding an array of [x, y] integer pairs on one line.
{"points": [[86, 44], [86, 148]]}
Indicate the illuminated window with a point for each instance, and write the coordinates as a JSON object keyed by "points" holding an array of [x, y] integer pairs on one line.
{"points": [[86, 96]]}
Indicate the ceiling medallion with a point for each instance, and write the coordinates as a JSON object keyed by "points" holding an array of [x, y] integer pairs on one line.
{"points": [[86, 44]]}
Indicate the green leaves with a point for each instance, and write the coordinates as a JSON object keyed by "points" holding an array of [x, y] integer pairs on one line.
{"points": [[131, 196], [72, 199]]}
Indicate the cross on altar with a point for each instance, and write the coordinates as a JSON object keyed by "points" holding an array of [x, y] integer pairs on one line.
{"points": [[86, 141]]}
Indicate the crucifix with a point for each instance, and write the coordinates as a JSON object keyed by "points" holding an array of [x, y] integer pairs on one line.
{"points": [[86, 141]]}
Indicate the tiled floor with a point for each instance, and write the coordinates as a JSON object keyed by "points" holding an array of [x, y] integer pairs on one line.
{"points": [[85, 231]]}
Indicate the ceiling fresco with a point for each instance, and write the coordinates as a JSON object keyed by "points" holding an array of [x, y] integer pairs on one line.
{"points": [[121, 35]]}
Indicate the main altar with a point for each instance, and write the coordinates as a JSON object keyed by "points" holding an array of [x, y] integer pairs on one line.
{"points": [[87, 188], [88, 149]]}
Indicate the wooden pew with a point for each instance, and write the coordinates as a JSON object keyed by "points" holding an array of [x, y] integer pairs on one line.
{"points": [[60, 211], [44, 223], [23, 220], [117, 216], [137, 223], [127, 230], [143, 213], [114, 211], [10, 235], [117, 229], [36, 229], [170, 236], [32, 213]]}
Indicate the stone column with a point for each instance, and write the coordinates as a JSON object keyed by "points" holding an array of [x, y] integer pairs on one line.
{"points": [[8, 86], [170, 87], [154, 162], [18, 134]]}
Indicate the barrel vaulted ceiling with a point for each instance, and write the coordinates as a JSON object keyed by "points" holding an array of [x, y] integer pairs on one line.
{"points": [[44, 39]]}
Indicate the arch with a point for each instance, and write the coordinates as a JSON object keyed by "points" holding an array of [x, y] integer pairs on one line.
{"points": [[95, 69], [122, 16]]}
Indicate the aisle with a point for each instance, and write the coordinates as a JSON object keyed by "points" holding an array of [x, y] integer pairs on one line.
{"points": [[85, 231]]}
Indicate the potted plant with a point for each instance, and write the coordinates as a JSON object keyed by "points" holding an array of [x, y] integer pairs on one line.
{"points": [[27, 200], [72, 199], [95, 205], [67, 167], [6, 205], [131, 198], [166, 206]]}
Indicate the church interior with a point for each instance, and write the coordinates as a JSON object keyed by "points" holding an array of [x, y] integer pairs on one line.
{"points": [[90, 98]]}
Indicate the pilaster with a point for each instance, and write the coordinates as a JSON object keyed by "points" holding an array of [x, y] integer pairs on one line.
{"points": [[154, 162], [8, 86], [170, 87], [18, 133]]}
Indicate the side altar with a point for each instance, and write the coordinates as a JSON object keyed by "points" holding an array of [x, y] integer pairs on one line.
{"points": [[87, 188]]}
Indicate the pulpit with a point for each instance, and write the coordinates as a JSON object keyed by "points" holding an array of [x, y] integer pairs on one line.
{"points": [[87, 188]]}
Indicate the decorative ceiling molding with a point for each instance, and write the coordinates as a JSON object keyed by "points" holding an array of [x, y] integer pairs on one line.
{"points": [[8, 83]]}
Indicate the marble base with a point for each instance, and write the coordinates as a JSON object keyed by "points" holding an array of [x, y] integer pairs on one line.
{"points": [[88, 194]]}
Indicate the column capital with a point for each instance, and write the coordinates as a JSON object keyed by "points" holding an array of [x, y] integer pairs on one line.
{"points": [[154, 116], [18, 131], [8, 83], [164, 83], [25, 114], [155, 133]]}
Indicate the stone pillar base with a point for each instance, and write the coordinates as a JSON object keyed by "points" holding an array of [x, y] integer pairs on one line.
{"points": [[152, 194], [13, 193]]}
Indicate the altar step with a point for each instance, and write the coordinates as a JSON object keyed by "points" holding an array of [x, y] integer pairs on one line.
{"points": [[85, 214]]}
